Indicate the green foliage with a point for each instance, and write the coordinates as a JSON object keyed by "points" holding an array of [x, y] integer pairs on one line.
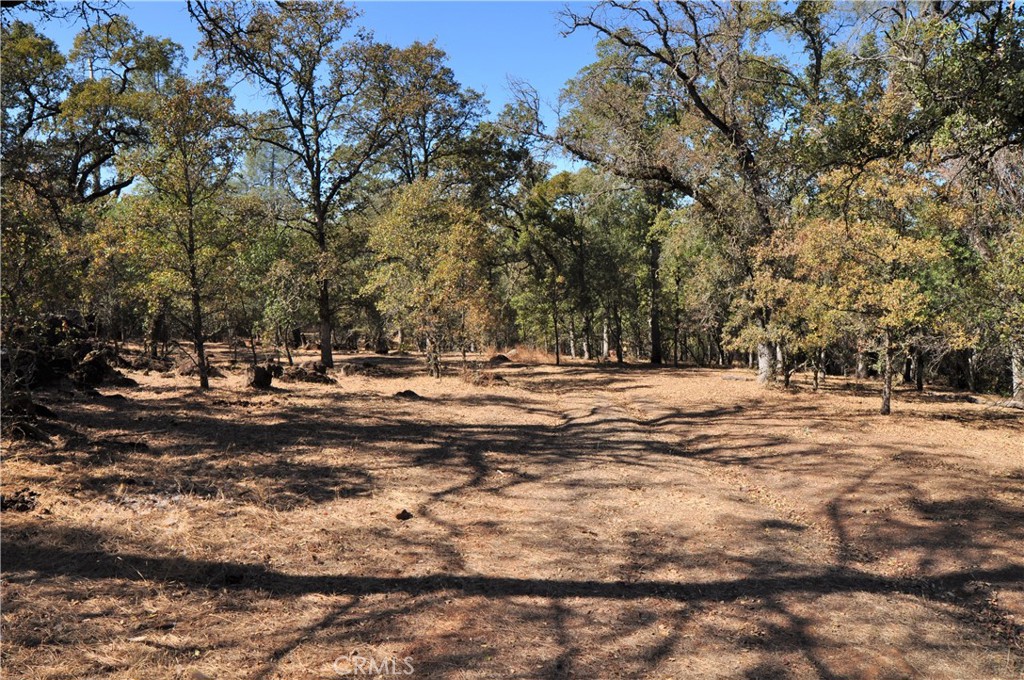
{"points": [[805, 177], [431, 275], [434, 117], [65, 120]]}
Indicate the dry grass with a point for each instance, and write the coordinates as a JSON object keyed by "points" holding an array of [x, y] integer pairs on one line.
{"points": [[581, 521], [524, 354]]}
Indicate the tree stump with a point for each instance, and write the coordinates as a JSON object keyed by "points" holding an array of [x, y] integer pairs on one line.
{"points": [[259, 377]]}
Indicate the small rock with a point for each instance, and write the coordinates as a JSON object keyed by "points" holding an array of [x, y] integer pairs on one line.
{"points": [[407, 394], [404, 515], [300, 374], [189, 368], [314, 367]]}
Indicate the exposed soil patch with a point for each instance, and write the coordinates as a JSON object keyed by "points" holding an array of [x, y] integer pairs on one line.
{"points": [[579, 522]]}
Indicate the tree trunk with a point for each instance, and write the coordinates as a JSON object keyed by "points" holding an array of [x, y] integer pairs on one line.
{"points": [[619, 359], [676, 321], [378, 329], [605, 344], [686, 345], [288, 353], [919, 370], [572, 336], [765, 363], [675, 339], [554, 319], [887, 374], [197, 310], [198, 341], [655, 316], [157, 332], [324, 312], [972, 369], [588, 331], [433, 357], [862, 363], [656, 198], [1017, 369]]}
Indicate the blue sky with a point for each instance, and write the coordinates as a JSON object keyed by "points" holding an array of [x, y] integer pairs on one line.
{"points": [[487, 42]]}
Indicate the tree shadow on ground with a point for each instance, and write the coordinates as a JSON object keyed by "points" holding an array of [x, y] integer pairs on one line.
{"points": [[765, 594], [72, 556]]}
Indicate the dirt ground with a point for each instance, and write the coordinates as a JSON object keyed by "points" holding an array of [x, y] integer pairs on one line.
{"points": [[580, 521]]}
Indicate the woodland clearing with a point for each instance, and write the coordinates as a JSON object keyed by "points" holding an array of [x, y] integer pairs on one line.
{"points": [[584, 520]]}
